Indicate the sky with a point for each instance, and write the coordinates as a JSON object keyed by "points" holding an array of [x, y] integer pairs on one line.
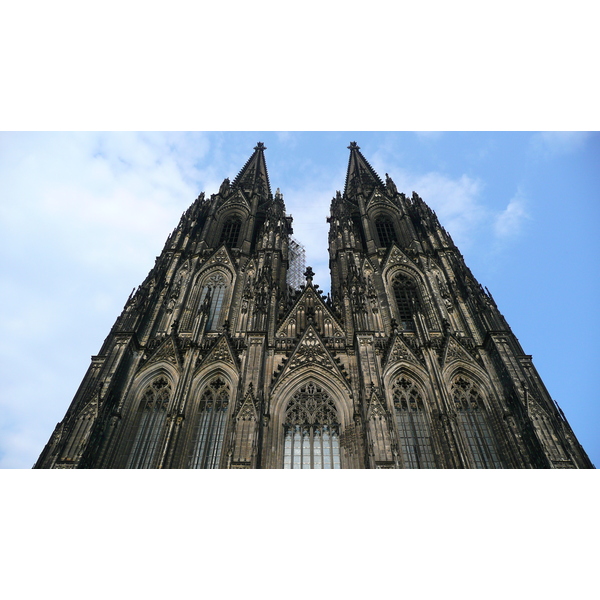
{"points": [[83, 215]]}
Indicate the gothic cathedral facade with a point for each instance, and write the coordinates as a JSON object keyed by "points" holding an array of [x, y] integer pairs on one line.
{"points": [[216, 361]]}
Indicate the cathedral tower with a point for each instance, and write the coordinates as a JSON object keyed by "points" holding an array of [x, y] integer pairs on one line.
{"points": [[218, 362]]}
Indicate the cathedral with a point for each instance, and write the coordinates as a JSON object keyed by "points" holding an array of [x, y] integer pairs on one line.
{"points": [[230, 356]]}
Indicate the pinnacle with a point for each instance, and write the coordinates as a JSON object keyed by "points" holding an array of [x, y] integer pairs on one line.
{"points": [[360, 177], [253, 175]]}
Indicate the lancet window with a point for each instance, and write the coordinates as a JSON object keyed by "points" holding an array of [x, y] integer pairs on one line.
{"points": [[213, 296], [473, 421], [231, 232], [385, 231], [311, 430], [407, 300], [210, 425], [413, 425], [152, 414]]}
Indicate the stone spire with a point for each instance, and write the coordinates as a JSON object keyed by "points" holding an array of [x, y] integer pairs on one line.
{"points": [[254, 176], [361, 177]]}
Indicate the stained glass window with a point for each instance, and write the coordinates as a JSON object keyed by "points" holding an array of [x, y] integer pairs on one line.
{"points": [[210, 425], [311, 431], [152, 414], [473, 421], [413, 426]]}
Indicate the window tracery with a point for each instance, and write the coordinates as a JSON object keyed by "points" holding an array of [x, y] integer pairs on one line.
{"points": [[413, 425], [473, 421], [385, 231], [407, 300], [231, 232], [210, 425], [152, 414], [213, 296], [311, 430]]}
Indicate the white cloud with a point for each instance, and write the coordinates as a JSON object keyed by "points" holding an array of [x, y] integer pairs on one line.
{"points": [[510, 221], [456, 201], [553, 143], [82, 216]]}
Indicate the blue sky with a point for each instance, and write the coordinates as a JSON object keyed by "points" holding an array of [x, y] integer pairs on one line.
{"points": [[83, 215]]}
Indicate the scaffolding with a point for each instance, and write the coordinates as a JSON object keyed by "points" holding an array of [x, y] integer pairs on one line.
{"points": [[297, 256]]}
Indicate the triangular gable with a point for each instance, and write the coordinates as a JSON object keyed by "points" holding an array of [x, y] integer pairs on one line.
{"points": [[396, 256], [166, 352], [379, 198], [311, 352], [221, 256], [454, 351], [376, 409], [367, 267], [399, 351], [248, 410], [237, 199], [309, 294], [221, 352]]}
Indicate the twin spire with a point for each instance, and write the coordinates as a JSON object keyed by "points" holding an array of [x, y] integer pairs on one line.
{"points": [[360, 175]]}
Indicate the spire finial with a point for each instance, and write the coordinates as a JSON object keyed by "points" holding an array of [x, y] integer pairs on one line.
{"points": [[309, 274], [260, 146], [353, 146]]}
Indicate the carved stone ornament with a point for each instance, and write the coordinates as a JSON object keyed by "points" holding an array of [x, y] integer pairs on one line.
{"points": [[397, 257], [311, 405], [401, 351], [220, 257], [455, 352], [311, 352], [220, 353]]}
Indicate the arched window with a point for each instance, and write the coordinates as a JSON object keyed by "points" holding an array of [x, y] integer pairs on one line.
{"points": [[473, 422], [311, 431], [407, 300], [152, 414], [213, 295], [413, 426], [210, 425], [231, 232], [385, 231]]}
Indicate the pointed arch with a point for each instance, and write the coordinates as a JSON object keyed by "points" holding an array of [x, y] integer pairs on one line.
{"points": [[407, 299], [413, 422], [209, 424], [473, 419], [311, 430], [149, 423], [210, 292]]}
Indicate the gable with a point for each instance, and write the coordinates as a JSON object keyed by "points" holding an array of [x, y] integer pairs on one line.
{"points": [[311, 353], [221, 352], [309, 308]]}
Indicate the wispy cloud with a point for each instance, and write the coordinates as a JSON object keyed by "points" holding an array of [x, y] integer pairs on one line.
{"points": [[81, 218], [554, 143], [509, 222], [456, 201]]}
